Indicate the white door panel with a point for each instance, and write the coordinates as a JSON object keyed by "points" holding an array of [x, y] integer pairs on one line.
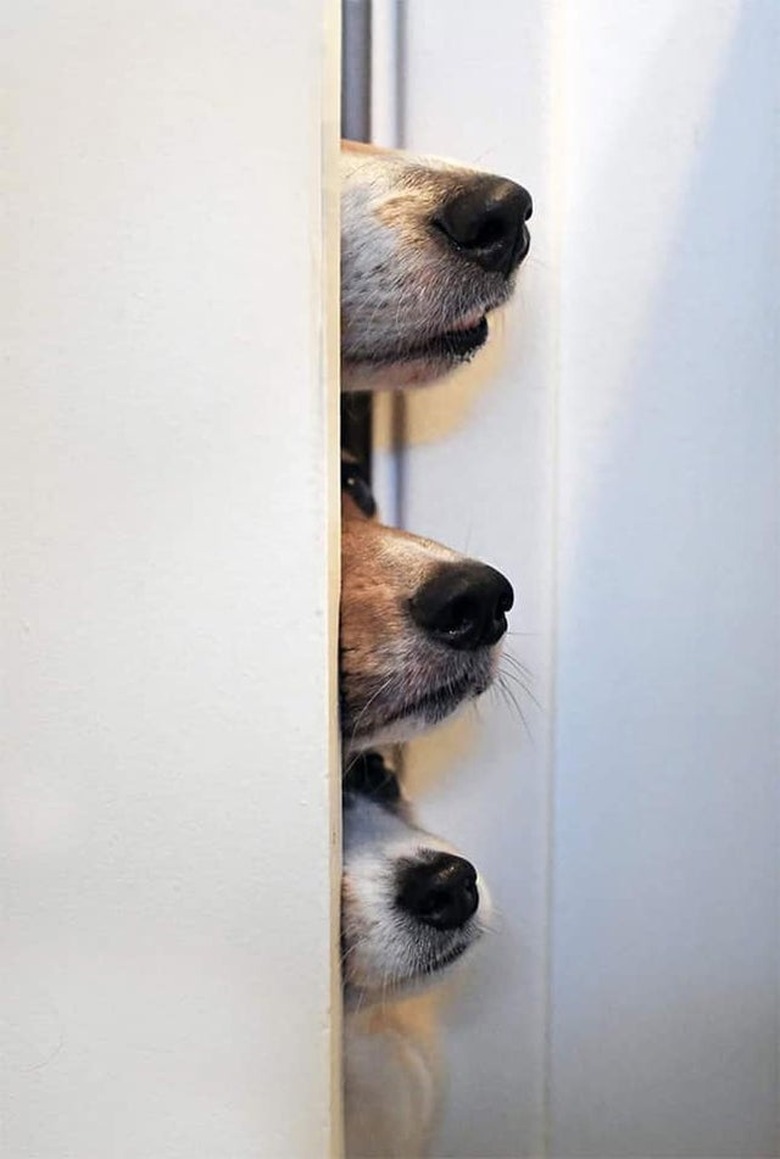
{"points": [[169, 599]]}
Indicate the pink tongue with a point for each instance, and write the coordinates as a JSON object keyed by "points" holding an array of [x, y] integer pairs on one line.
{"points": [[468, 323]]}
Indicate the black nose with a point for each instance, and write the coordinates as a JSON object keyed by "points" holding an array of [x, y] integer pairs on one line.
{"points": [[464, 605], [485, 222], [441, 892]]}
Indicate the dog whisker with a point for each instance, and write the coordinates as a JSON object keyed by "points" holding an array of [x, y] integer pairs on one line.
{"points": [[510, 699], [514, 662], [523, 687]]}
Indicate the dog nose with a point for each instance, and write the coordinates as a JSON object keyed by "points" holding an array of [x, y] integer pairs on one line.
{"points": [[485, 223], [441, 892], [464, 605]]}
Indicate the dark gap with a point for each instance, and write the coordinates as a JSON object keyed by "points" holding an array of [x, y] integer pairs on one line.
{"points": [[356, 409]]}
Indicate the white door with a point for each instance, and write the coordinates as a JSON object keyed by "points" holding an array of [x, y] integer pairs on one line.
{"points": [[170, 529]]}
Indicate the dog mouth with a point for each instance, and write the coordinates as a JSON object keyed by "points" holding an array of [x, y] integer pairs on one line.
{"points": [[400, 709], [442, 960], [439, 961], [435, 705], [413, 977], [457, 344]]}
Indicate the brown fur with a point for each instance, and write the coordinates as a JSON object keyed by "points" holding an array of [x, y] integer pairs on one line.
{"points": [[376, 583], [387, 663]]}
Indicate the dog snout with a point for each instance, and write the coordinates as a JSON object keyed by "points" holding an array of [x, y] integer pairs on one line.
{"points": [[464, 605], [485, 223], [441, 892]]}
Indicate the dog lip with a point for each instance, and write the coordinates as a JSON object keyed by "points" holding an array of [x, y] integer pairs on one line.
{"points": [[442, 961], [437, 963], [475, 318], [439, 701], [461, 339], [446, 698], [453, 345]]}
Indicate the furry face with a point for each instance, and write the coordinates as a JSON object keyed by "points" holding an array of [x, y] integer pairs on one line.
{"points": [[428, 249], [420, 627], [411, 905]]}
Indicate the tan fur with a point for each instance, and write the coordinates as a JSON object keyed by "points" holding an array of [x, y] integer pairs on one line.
{"points": [[382, 568], [393, 1082], [386, 661], [392, 967], [403, 285], [365, 148]]}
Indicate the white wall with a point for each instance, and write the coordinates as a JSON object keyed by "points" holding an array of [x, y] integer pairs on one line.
{"points": [[170, 581], [617, 455], [665, 967]]}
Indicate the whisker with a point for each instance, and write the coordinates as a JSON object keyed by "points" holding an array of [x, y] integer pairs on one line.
{"points": [[382, 688], [521, 684], [518, 665], [512, 701]]}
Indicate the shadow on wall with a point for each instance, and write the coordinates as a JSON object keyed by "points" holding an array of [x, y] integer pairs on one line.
{"points": [[436, 411]]}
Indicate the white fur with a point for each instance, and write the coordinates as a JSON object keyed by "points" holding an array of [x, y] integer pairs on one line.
{"points": [[392, 1072], [392, 1087], [401, 284]]}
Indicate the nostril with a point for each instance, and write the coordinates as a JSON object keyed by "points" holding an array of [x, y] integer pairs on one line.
{"points": [[489, 231], [484, 222], [506, 594], [439, 891], [458, 616], [433, 901], [463, 605]]}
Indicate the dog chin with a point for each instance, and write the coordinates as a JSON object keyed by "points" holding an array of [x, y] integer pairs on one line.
{"points": [[405, 984], [420, 363], [356, 376], [405, 722], [397, 732], [407, 727]]}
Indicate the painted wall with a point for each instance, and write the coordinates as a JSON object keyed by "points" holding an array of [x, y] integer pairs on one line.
{"points": [[616, 453], [665, 963], [479, 475], [169, 583]]}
